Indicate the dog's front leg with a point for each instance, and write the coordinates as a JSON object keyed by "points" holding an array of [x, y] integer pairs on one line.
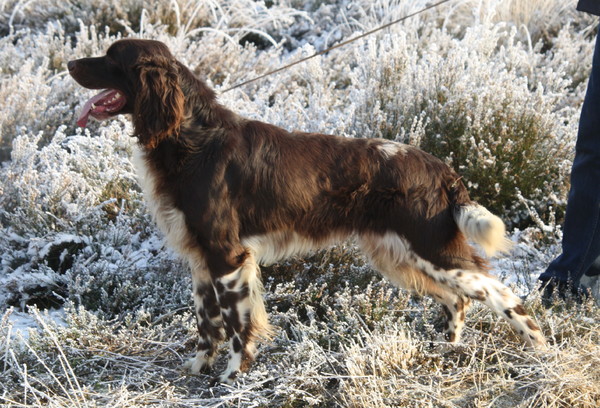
{"points": [[208, 317], [239, 293]]}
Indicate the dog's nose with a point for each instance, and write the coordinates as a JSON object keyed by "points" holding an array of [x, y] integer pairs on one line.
{"points": [[71, 65]]}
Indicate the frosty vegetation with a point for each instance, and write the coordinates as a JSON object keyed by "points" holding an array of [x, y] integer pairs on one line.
{"points": [[492, 87]]}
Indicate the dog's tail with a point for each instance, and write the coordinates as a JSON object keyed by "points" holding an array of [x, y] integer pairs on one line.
{"points": [[482, 227]]}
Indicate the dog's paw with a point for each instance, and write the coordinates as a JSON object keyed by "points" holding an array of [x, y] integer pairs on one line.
{"points": [[225, 378], [201, 363], [228, 377]]}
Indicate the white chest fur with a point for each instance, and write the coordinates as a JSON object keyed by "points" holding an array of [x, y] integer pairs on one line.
{"points": [[170, 220]]}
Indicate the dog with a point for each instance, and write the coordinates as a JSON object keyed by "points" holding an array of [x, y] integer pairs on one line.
{"points": [[231, 193]]}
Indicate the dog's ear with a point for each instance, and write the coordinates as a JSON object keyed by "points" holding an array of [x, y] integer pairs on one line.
{"points": [[159, 102]]}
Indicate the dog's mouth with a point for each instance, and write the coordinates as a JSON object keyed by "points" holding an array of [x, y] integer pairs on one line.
{"points": [[102, 106]]}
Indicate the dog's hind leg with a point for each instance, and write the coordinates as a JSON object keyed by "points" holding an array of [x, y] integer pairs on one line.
{"points": [[244, 314], [481, 286], [391, 256], [455, 308], [208, 317], [454, 305]]}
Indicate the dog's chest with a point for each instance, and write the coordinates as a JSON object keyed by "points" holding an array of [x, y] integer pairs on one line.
{"points": [[170, 220]]}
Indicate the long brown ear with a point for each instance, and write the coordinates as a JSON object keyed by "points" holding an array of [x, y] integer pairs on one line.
{"points": [[159, 102]]}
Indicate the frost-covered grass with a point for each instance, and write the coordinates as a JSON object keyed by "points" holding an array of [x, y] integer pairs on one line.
{"points": [[337, 345], [492, 87]]}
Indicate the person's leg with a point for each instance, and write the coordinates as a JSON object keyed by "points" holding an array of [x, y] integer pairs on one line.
{"points": [[581, 232]]}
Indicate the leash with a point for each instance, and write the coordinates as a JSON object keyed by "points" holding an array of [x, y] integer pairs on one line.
{"points": [[343, 43]]}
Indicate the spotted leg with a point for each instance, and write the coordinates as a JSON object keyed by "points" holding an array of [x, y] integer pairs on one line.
{"points": [[481, 286], [455, 308], [208, 318], [393, 257], [244, 315]]}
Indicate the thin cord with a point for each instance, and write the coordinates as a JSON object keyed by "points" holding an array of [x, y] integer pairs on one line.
{"points": [[383, 27]]}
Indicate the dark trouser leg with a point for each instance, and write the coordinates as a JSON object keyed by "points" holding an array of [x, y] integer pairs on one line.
{"points": [[581, 233]]}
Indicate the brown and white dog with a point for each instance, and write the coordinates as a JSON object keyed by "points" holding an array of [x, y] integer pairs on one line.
{"points": [[230, 193]]}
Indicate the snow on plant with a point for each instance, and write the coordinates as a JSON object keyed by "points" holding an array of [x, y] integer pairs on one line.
{"points": [[56, 198], [65, 177]]}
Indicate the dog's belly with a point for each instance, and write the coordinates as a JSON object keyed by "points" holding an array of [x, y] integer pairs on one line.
{"points": [[275, 246]]}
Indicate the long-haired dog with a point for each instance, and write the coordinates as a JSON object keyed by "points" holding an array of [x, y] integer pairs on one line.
{"points": [[230, 193]]}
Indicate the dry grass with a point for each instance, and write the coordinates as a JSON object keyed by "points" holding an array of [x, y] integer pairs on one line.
{"points": [[489, 372], [391, 360]]}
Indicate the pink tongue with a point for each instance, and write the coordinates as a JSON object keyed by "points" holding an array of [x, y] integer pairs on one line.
{"points": [[87, 107]]}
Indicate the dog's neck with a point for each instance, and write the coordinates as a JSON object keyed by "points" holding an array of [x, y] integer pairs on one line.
{"points": [[204, 118], [201, 107]]}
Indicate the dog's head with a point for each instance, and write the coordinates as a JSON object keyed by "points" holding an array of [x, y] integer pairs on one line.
{"points": [[138, 77]]}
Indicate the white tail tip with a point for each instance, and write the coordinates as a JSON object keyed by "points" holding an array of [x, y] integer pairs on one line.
{"points": [[484, 228]]}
